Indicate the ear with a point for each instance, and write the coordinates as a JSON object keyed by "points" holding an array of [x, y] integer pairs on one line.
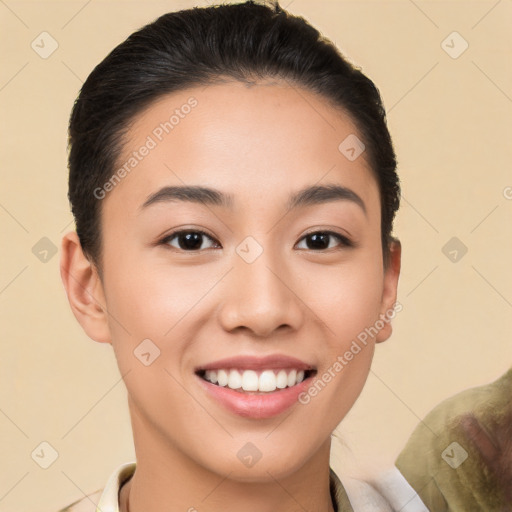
{"points": [[389, 291], [84, 289]]}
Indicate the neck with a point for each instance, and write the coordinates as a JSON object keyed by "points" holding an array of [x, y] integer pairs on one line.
{"points": [[166, 478]]}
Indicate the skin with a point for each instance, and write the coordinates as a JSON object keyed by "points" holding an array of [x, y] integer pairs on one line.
{"points": [[260, 144]]}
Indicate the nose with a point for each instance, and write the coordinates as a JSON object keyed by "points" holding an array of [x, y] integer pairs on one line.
{"points": [[260, 297]]}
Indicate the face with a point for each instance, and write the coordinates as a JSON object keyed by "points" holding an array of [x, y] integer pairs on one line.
{"points": [[242, 284]]}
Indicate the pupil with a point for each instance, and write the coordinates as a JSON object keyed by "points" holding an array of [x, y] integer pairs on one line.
{"points": [[190, 241], [319, 241]]}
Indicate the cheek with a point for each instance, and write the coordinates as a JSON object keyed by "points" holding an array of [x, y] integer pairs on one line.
{"points": [[149, 311], [152, 300], [349, 302], [347, 298], [166, 305]]}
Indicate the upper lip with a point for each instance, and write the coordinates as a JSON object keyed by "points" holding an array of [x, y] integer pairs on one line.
{"points": [[276, 361]]}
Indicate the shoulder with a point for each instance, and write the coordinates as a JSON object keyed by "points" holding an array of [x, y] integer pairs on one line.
{"points": [[88, 503], [364, 497], [484, 401], [446, 457], [389, 492], [105, 499]]}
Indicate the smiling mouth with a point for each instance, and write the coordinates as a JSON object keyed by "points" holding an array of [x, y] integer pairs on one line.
{"points": [[252, 381]]}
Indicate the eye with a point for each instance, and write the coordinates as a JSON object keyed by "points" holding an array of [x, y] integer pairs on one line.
{"points": [[188, 240], [191, 240], [320, 240]]}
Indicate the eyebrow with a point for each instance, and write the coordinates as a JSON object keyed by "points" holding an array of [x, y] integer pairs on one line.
{"points": [[308, 196]]}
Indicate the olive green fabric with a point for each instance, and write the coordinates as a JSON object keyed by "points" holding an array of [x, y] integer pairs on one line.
{"points": [[476, 423]]}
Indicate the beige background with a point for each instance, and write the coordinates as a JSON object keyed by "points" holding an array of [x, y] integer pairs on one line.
{"points": [[451, 124]]}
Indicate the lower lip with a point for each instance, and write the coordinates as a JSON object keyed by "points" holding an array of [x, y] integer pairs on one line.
{"points": [[257, 406]]}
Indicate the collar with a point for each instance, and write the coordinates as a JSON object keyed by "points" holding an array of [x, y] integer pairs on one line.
{"points": [[109, 501]]}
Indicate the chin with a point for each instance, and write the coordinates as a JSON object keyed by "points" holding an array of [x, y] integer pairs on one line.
{"points": [[247, 467]]}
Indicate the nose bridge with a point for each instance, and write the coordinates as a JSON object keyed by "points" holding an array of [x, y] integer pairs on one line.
{"points": [[258, 295]]}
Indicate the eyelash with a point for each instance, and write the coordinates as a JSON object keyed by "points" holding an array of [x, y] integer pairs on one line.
{"points": [[344, 241]]}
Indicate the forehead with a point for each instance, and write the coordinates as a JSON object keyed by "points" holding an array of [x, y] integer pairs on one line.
{"points": [[256, 143]]}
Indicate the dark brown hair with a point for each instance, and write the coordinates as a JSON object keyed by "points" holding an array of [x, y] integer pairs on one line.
{"points": [[198, 46]]}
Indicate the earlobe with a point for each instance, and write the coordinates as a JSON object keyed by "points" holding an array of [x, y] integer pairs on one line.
{"points": [[389, 292], [84, 289]]}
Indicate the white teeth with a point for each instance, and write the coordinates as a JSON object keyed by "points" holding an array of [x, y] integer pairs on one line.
{"points": [[211, 375], [267, 381], [235, 380], [249, 380], [222, 376], [282, 379]]}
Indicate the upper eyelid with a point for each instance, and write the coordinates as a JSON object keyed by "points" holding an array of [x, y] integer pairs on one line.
{"points": [[189, 230]]}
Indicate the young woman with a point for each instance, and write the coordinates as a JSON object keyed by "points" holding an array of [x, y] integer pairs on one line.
{"points": [[234, 186]]}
